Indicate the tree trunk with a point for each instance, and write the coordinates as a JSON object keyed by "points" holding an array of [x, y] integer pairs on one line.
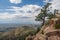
{"points": [[43, 21]]}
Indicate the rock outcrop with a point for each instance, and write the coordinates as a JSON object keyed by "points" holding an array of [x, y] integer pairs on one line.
{"points": [[48, 32]]}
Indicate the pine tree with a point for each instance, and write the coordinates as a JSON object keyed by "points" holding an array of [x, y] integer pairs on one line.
{"points": [[43, 13]]}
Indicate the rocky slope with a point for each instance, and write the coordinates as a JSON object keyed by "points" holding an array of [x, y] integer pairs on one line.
{"points": [[51, 31]]}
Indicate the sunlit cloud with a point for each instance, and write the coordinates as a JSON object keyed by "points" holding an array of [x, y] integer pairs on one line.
{"points": [[15, 1]]}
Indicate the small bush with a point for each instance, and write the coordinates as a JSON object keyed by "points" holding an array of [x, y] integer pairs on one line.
{"points": [[42, 32], [57, 25]]}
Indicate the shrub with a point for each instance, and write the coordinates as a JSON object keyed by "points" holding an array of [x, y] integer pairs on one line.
{"points": [[57, 25]]}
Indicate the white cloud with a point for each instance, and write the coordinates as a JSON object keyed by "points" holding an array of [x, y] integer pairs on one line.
{"points": [[27, 11], [15, 1], [55, 4], [46, 1]]}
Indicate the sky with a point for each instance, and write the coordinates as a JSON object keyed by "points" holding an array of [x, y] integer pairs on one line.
{"points": [[20, 11]]}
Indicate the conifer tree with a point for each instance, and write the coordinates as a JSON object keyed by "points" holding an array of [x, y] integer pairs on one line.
{"points": [[43, 13]]}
